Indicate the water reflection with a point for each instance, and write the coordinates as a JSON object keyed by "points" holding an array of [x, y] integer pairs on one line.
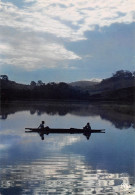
{"points": [[67, 163], [63, 175], [46, 131], [121, 116]]}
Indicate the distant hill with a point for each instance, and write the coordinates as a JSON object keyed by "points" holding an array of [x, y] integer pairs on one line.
{"points": [[84, 85], [13, 85], [112, 84], [109, 84], [119, 87]]}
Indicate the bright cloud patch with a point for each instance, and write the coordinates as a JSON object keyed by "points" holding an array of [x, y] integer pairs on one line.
{"points": [[51, 16], [31, 52], [46, 25]]}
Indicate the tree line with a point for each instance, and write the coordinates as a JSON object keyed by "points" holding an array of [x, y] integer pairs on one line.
{"points": [[121, 75], [40, 91]]}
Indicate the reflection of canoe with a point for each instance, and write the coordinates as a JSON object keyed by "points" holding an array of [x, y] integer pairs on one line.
{"points": [[48, 130]]}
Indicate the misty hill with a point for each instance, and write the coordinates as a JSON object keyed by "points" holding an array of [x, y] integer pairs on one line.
{"points": [[83, 84]]}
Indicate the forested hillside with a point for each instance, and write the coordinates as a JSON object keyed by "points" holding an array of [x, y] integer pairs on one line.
{"points": [[40, 91], [119, 87]]}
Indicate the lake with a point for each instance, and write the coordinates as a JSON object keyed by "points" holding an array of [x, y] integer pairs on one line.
{"points": [[67, 163]]}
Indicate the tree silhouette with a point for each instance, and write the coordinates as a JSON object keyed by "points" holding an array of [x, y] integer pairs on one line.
{"points": [[4, 77], [122, 74], [134, 74], [40, 83], [33, 83]]}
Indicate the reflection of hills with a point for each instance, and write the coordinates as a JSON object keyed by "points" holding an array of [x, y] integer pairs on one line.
{"points": [[122, 116]]}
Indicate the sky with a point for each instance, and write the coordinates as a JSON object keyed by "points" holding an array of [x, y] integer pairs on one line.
{"points": [[57, 40]]}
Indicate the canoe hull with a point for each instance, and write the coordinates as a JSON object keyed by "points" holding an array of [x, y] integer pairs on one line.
{"points": [[71, 130]]}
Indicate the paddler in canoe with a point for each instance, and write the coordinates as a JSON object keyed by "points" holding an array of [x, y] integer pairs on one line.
{"points": [[87, 127], [41, 126]]}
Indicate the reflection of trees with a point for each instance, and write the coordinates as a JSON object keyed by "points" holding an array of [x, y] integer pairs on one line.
{"points": [[119, 120], [32, 112], [121, 125], [3, 116], [38, 113], [121, 116], [133, 125]]}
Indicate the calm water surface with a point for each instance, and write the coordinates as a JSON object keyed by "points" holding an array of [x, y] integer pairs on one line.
{"points": [[67, 163]]}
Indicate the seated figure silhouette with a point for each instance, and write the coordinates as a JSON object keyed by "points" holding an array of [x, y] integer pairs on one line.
{"points": [[41, 126], [87, 126]]}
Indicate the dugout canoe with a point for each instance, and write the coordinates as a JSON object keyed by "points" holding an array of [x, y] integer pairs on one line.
{"points": [[48, 130]]}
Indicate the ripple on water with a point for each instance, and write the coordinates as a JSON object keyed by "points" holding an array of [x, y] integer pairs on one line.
{"points": [[65, 174]]}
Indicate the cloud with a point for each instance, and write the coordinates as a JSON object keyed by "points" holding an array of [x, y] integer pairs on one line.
{"points": [[34, 19], [84, 15], [51, 16], [46, 26], [32, 52]]}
